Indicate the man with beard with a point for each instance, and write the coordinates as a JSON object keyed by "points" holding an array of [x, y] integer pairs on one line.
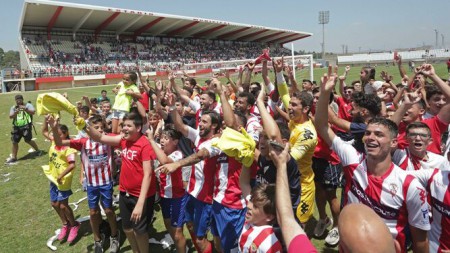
{"points": [[244, 103], [303, 140], [207, 101], [201, 183]]}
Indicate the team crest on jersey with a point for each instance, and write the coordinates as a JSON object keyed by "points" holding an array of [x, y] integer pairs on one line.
{"points": [[253, 248], [422, 195], [393, 189]]}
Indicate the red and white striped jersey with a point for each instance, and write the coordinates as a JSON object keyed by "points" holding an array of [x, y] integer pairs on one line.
{"points": [[407, 161], [398, 198], [171, 185], [259, 239], [437, 184], [227, 190], [253, 127], [201, 182], [96, 159]]}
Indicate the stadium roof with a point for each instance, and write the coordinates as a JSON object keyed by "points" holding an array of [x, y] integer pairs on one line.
{"points": [[75, 18]]}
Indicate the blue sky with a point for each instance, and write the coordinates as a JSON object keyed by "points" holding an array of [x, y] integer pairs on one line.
{"points": [[361, 25]]}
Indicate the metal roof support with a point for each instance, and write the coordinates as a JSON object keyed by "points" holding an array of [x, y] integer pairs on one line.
{"points": [[294, 39], [201, 34], [224, 36], [147, 26], [52, 21], [268, 36], [282, 38], [81, 22], [106, 23], [183, 28], [128, 25], [251, 34]]}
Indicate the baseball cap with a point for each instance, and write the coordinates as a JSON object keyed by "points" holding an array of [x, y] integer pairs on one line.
{"points": [[377, 85], [19, 97]]}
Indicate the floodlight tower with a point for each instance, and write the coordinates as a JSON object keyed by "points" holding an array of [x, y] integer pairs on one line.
{"points": [[437, 35], [443, 44], [324, 18]]}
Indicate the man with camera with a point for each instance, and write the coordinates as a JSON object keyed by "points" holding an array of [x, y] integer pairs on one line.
{"points": [[22, 116]]}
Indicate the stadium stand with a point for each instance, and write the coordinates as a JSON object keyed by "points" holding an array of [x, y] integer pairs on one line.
{"points": [[87, 40], [413, 55]]}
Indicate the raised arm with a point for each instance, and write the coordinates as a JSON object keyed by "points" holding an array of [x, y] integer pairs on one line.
{"points": [[269, 125], [232, 83], [54, 126], [202, 154], [401, 70], [321, 119], [285, 216], [342, 80], [176, 117], [99, 137], [428, 71], [44, 129], [292, 80], [248, 75], [160, 155], [338, 122], [228, 115], [281, 83], [265, 73], [408, 100]]}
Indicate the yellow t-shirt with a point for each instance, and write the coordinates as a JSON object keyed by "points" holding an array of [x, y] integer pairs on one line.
{"points": [[123, 101], [57, 164], [303, 141]]}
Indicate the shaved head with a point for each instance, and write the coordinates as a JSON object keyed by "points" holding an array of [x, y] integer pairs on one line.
{"points": [[362, 230]]}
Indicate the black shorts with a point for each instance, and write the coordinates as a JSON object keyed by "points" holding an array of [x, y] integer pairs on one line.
{"points": [[18, 132], [126, 206], [327, 174]]}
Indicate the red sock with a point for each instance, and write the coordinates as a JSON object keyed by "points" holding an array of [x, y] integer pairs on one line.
{"points": [[208, 248]]}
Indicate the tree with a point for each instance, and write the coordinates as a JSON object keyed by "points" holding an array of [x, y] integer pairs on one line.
{"points": [[10, 59]]}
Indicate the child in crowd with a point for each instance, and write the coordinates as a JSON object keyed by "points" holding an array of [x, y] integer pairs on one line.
{"points": [[61, 165], [96, 159], [171, 189], [258, 234], [125, 91]]}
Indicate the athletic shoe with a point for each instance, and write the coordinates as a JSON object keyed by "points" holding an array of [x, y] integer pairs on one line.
{"points": [[73, 233], [11, 161], [63, 232], [332, 238], [98, 247], [114, 244], [38, 152], [321, 225]]}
